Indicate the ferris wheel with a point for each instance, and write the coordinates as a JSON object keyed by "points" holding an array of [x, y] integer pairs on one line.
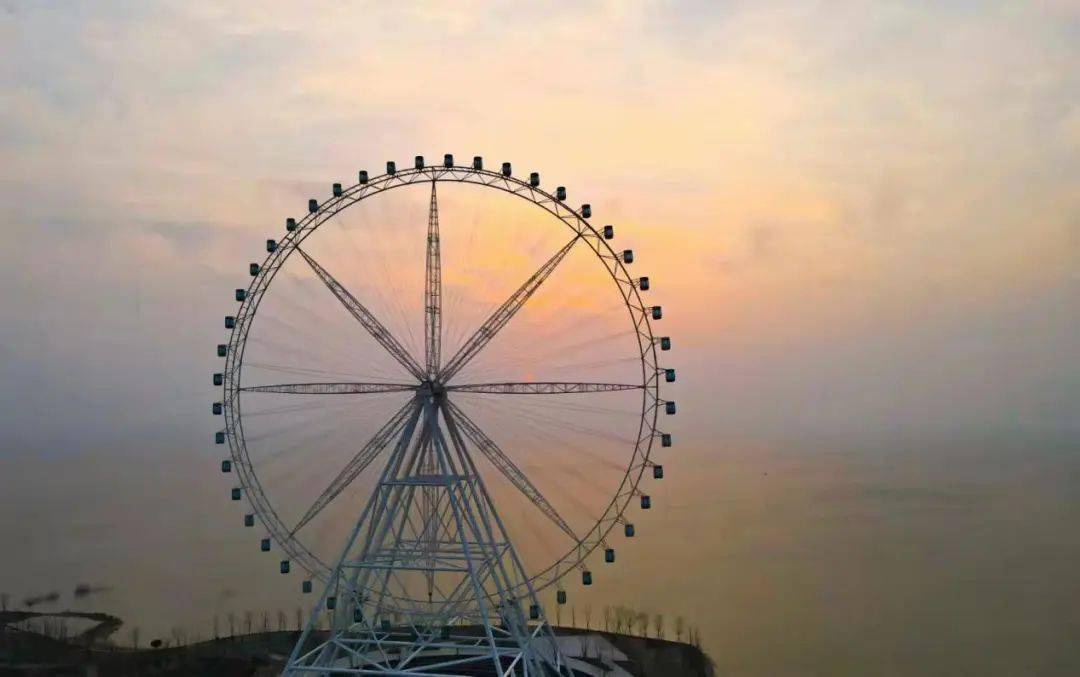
{"points": [[521, 381]]}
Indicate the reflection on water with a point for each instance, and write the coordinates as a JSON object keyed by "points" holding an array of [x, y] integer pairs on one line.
{"points": [[898, 557]]}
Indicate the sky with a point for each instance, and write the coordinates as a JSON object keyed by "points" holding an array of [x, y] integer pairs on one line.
{"points": [[861, 218]]}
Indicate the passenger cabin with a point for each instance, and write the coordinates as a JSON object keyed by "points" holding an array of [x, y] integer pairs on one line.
{"points": [[219, 437], [506, 169], [628, 530], [560, 193], [391, 168], [305, 587], [586, 211], [216, 408], [609, 555], [249, 520], [665, 439], [331, 602], [669, 375], [643, 283], [336, 189], [264, 545], [609, 232], [646, 502], [418, 162], [560, 597], [534, 611], [657, 312], [222, 349], [285, 566], [253, 269], [271, 246], [230, 322], [658, 472], [628, 256], [477, 162], [312, 205], [290, 224], [586, 578], [362, 177], [226, 466], [534, 179], [447, 160], [241, 294], [669, 408], [665, 343], [219, 379], [235, 493]]}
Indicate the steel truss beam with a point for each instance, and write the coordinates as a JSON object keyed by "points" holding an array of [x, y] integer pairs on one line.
{"points": [[364, 316], [541, 388], [510, 471], [433, 290], [330, 388], [504, 313], [404, 419]]}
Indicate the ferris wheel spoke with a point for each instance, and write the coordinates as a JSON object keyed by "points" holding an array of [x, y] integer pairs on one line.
{"points": [[433, 291], [330, 388], [377, 330], [404, 418], [542, 388], [506, 466], [503, 314]]}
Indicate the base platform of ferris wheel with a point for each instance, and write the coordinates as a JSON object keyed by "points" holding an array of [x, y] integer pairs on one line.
{"points": [[590, 653]]}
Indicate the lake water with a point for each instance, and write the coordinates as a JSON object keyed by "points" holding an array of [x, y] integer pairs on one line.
{"points": [[903, 555]]}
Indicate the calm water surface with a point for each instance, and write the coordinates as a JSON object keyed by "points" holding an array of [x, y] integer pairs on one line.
{"points": [[948, 555]]}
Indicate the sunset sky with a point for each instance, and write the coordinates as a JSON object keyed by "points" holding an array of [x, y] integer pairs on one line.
{"points": [[862, 219]]}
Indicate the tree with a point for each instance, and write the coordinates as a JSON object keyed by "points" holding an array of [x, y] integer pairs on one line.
{"points": [[299, 618], [643, 624], [232, 624], [282, 620], [658, 625], [5, 599], [607, 619], [217, 624], [680, 627], [135, 637], [266, 621], [588, 616], [249, 616]]}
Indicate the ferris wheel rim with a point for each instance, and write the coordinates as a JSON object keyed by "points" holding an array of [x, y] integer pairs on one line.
{"points": [[617, 506]]}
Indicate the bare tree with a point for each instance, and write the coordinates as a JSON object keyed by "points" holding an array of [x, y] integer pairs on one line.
{"points": [[135, 637], [573, 616], [282, 620], [232, 624], [588, 616], [217, 626], [299, 618], [265, 621], [680, 627], [249, 617], [607, 619], [5, 599], [175, 632], [658, 625]]}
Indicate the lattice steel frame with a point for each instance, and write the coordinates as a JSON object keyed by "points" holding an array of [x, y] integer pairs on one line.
{"points": [[639, 313]]}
